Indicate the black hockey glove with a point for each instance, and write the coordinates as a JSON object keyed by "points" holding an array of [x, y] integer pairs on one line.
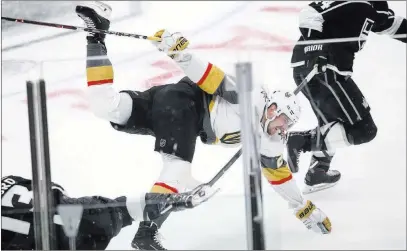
{"points": [[316, 56]]}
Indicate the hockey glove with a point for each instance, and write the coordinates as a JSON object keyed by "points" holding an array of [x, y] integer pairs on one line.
{"points": [[171, 44], [313, 218], [201, 194], [316, 56], [188, 200]]}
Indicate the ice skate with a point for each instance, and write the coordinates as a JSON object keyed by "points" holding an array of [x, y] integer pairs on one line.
{"points": [[147, 237], [158, 207], [317, 178], [96, 15]]}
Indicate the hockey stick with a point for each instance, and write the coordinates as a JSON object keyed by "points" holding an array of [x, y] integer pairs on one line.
{"points": [[71, 27], [239, 153], [225, 168], [306, 80], [200, 190]]}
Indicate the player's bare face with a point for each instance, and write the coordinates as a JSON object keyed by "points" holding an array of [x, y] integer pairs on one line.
{"points": [[278, 123]]}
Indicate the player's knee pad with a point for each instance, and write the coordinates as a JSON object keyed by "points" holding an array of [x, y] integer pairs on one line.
{"points": [[362, 131]]}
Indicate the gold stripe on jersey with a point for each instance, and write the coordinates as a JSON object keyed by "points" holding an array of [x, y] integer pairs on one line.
{"points": [[211, 104], [163, 188], [277, 176], [211, 79], [99, 75]]}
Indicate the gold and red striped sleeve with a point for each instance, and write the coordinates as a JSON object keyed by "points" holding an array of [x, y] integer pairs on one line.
{"points": [[276, 170], [211, 79], [277, 176], [160, 187], [99, 75]]}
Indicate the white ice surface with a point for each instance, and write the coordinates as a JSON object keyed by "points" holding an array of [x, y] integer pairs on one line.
{"points": [[367, 207]]}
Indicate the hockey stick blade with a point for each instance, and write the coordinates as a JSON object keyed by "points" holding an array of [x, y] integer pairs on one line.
{"points": [[71, 27]]}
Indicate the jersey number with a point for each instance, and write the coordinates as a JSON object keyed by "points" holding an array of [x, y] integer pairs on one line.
{"points": [[25, 197], [367, 26]]}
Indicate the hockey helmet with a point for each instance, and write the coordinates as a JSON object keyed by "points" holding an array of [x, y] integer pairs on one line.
{"points": [[277, 109]]}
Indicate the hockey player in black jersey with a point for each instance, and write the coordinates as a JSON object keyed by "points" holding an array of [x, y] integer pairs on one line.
{"points": [[102, 218], [343, 113]]}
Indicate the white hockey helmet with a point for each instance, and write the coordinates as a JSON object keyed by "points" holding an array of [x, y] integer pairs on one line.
{"points": [[285, 103]]}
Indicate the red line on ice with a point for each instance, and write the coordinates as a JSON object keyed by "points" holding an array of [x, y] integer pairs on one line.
{"points": [[280, 9]]}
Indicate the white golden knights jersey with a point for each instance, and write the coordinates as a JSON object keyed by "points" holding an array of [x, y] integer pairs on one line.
{"points": [[222, 122]]}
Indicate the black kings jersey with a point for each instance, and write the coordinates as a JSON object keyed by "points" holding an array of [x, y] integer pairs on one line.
{"points": [[17, 231], [342, 20]]}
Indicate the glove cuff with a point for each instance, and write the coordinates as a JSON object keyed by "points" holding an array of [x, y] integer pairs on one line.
{"points": [[305, 210]]}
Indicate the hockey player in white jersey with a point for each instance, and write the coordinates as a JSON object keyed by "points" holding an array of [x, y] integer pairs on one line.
{"points": [[202, 104]]}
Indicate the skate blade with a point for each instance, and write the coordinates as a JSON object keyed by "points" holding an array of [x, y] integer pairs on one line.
{"points": [[312, 189], [133, 245]]}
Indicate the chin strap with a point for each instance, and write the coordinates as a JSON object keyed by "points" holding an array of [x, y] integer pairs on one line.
{"points": [[268, 121], [266, 124]]}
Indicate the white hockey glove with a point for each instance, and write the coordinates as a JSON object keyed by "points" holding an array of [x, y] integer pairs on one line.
{"points": [[172, 44], [313, 218]]}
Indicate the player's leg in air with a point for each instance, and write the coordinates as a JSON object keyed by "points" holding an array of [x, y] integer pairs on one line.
{"points": [[176, 124], [341, 108], [343, 119]]}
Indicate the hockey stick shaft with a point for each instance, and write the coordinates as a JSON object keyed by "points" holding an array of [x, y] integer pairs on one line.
{"points": [[71, 27], [225, 168], [305, 80], [235, 157]]}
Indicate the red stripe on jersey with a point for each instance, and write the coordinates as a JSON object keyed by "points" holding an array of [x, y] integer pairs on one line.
{"points": [[279, 182], [208, 69], [166, 187], [100, 82]]}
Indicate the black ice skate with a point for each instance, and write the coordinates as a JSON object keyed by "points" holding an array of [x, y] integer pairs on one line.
{"points": [[297, 143], [96, 15], [319, 177], [147, 237]]}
